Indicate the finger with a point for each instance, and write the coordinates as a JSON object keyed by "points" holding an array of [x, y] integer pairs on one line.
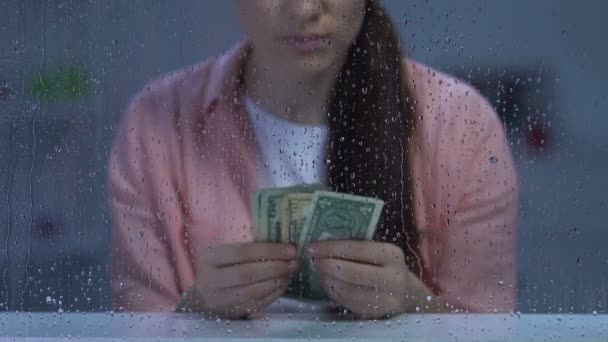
{"points": [[342, 292], [250, 273], [240, 296], [270, 298], [358, 274], [231, 254], [257, 304], [368, 252], [363, 301]]}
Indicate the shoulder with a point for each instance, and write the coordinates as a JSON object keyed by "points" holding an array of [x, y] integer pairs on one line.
{"points": [[439, 95], [449, 110], [173, 97], [174, 89], [189, 91], [149, 125]]}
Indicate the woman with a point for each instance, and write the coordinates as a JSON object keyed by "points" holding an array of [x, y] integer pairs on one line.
{"points": [[318, 92]]}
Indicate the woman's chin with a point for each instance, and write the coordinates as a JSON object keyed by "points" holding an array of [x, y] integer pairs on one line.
{"points": [[307, 67]]}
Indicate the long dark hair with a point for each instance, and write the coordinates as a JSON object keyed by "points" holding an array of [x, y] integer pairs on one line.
{"points": [[371, 121]]}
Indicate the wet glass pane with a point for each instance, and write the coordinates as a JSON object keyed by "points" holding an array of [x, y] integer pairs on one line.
{"points": [[356, 169]]}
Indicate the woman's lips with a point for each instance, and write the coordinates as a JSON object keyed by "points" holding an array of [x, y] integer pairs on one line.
{"points": [[305, 42]]}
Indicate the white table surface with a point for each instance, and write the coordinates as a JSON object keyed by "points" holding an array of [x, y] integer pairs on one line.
{"points": [[306, 324]]}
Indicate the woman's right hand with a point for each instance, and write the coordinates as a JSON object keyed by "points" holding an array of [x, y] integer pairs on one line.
{"points": [[236, 280]]}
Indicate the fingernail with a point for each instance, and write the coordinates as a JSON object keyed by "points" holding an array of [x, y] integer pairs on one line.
{"points": [[292, 265]]}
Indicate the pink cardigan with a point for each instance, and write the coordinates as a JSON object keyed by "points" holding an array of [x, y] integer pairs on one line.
{"points": [[183, 165]]}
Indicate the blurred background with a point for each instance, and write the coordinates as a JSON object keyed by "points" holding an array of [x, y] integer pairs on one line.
{"points": [[69, 68]]}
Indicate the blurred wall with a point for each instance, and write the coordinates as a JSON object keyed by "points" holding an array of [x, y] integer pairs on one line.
{"points": [[126, 44]]}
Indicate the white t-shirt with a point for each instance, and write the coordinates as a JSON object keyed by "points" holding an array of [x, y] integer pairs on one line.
{"points": [[289, 153]]}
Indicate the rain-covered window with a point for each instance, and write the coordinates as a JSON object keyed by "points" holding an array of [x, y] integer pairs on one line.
{"points": [[303, 169]]}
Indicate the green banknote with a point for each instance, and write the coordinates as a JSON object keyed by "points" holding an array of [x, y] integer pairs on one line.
{"points": [[334, 216], [254, 202], [294, 209], [303, 214], [269, 216], [266, 206]]}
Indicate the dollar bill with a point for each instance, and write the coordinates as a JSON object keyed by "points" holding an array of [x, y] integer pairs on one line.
{"points": [[269, 216], [266, 206], [334, 216], [337, 216], [303, 214], [294, 210], [254, 203]]}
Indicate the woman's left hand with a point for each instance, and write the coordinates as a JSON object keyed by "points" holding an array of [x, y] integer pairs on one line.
{"points": [[371, 279]]}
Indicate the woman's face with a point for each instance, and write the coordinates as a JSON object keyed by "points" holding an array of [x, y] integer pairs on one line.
{"points": [[301, 36]]}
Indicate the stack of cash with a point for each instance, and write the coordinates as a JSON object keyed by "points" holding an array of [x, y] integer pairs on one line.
{"points": [[303, 214]]}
